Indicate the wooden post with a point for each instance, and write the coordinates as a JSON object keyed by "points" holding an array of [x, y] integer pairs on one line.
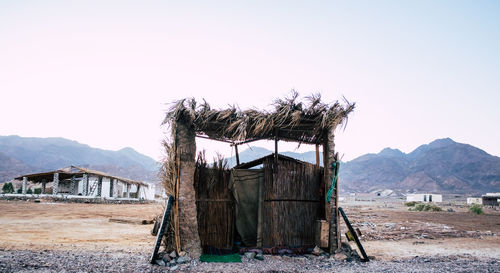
{"points": [[237, 155], [276, 148], [317, 155], [331, 209], [185, 146], [176, 218]]}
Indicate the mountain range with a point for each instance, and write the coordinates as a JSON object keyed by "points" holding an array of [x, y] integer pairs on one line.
{"points": [[22, 155], [440, 166]]}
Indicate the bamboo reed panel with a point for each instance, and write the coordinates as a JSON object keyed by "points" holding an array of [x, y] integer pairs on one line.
{"points": [[215, 222], [294, 180], [289, 223], [291, 204], [215, 207]]}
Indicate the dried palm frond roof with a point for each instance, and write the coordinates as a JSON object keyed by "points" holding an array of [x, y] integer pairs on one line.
{"points": [[291, 120]]}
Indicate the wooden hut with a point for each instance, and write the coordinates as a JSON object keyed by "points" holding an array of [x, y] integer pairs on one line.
{"points": [[289, 187]]}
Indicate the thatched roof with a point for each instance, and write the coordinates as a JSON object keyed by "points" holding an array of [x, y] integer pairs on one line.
{"points": [[291, 120]]}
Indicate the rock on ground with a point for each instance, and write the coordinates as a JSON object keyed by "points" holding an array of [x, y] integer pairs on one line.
{"points": [[99, 261]]}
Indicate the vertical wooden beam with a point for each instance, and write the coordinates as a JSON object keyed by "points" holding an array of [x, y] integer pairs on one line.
{"points": [[237, 155], [317, 155], [332, 213], [176, 218], [337, 211], [185, 145], [276, 132]]}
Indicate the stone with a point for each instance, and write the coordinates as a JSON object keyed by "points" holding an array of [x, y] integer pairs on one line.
{"points": [[183, 259], [317, 251], [173, 268], [166, 258], [250, 255], [160, 262], [340, 256], [259, 257], [182, 253], [390, 225], [450, 210], [173, 255], [301, 259]]}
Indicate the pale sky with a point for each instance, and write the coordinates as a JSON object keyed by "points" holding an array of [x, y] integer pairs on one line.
{"points": [[103, 72]]}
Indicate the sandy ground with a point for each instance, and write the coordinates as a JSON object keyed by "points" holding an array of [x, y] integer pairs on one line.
{"points": [[391, 234], [28, 225], [391, 231]]}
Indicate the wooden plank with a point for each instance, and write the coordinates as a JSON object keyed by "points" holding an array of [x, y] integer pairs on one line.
{"points": [[176, 218], [322, 230], [337, 215], [355, 235], [161, 231], [259, 212], [276, 147], [317, 155], [131, 221]]}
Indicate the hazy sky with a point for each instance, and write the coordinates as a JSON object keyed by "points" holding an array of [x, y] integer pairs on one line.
{"points": [[103, 72]]}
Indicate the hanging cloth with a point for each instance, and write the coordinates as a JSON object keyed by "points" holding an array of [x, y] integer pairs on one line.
{"points": [[335, 169]]}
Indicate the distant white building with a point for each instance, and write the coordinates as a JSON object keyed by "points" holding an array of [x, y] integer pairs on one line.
{"points": [[424, 197], [148, 192], [74, 180], [474, 200], [492, 194]]}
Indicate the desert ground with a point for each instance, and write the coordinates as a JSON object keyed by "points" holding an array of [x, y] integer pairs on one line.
{"points": [[78, 237]]}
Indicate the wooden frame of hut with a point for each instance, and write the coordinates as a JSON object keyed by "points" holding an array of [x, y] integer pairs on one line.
{"points": [[311, 122]]}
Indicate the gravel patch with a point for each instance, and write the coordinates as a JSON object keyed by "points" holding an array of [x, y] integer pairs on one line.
{"points": [[100, 261]]}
